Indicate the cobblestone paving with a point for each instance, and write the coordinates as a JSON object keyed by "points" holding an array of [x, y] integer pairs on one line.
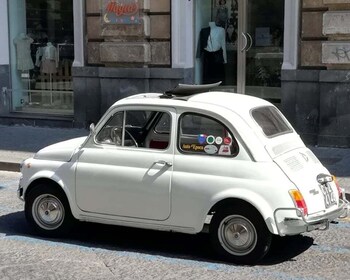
{"points": [[105, 252]]}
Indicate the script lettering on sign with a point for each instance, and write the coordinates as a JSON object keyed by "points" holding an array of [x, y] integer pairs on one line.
{"points": [[120, 12]]}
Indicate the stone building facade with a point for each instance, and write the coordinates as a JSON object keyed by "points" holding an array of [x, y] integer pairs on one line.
{"points": [[295, 53], [122, 60], [316, 95]]}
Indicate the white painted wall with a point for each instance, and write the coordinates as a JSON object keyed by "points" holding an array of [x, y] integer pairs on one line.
{"points": [[291, 34], [202, 19], [182, 33], [4, 34], [17, 24], [78, 18]]}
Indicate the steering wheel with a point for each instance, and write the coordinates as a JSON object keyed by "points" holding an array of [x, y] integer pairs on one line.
{"points": [[116, 135], [134, 142]]}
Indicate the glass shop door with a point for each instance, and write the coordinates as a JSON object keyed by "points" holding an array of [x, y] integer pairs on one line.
{"points": [[253, 45]]}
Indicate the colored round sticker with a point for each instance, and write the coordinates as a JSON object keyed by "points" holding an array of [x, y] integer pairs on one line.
{"points": [[227, 141], [210, 139], [218, 140], [202, 138]]}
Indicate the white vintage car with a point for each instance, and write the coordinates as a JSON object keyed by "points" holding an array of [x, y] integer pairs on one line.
{"points": [[189, 160]]}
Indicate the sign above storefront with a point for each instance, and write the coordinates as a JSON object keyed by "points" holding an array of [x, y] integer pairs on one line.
{"points": [[120, 12]]}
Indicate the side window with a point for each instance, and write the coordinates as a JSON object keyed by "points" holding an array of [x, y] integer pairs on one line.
{"points": [[199, 134], [136, 128], [164, 124], [111, 133]]}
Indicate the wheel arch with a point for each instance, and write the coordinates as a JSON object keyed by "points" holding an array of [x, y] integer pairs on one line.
{"points": [[42, 181], [53, 181], [259, 205]]}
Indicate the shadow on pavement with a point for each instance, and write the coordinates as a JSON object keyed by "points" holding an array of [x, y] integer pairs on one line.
{"points": [[287, 248], [167, 244]]}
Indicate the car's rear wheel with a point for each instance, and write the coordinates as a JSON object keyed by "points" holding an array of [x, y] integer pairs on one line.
{"points": [[240, 235], [47, 210]]}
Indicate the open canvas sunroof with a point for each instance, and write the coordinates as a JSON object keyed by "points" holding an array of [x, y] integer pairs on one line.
{"points": [[187, 90]]}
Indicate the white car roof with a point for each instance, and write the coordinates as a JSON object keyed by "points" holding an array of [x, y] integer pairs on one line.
{"points": [[238, 103]]}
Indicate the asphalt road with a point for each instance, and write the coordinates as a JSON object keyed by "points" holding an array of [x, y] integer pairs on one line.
{"points": [[95, 251]]}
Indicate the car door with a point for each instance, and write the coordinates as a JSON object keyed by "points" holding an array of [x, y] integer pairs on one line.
{"points": [[120, 174]]}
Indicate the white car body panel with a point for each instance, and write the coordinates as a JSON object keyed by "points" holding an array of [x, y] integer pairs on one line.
{"points": [[170, 190], [62, 151]]}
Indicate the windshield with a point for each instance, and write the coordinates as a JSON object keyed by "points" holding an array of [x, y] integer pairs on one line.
{"points": [[270, 121]]}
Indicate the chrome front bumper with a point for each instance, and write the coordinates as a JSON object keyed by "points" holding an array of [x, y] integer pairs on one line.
{"points": [[20, 190], [293, 226]]}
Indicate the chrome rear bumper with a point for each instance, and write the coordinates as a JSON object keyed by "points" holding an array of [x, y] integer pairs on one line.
{"points": [[293, 226]]}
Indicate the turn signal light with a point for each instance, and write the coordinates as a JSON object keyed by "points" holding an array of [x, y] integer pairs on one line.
{"points": [[299, 201], [340, 192]]}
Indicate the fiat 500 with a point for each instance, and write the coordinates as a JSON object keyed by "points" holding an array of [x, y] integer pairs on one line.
{"points": [[189, 160]]}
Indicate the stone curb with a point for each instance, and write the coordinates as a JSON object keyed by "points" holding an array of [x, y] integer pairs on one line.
{"points": [[10, 166]]}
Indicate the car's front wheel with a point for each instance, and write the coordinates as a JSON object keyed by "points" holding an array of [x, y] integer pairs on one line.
{"points": [[240, 235], [47, 210]]}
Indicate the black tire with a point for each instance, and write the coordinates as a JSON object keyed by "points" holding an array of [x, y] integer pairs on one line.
{"points": [[47, 211], [239, 234]]}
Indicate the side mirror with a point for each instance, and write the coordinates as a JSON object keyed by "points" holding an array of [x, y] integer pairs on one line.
{"points": [[92, 128], [92, 132]]}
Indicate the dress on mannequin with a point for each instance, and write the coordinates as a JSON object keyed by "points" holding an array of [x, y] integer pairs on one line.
{"points": [[24, 59], [49, 59], [214, 70]]}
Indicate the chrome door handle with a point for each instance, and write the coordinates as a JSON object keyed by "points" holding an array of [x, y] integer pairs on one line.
{"points": [[251, 42], [165, 163], [245, 41]]}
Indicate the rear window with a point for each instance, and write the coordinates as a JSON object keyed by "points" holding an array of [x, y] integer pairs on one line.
{"points": [[270, 121]]}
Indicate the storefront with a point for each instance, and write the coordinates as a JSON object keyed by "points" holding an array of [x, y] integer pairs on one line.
{"points": [[65, 62], [73, 59], [250, 37], [41, 56]]}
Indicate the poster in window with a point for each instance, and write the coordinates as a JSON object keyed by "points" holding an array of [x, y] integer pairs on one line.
{"points": [[120, 12], [225, 14]]}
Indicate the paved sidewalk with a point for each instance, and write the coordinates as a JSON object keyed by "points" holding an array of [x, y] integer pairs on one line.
{"points": [[20, 142]]}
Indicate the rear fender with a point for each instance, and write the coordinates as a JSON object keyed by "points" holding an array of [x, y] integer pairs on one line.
{"points": [[252, 198]]}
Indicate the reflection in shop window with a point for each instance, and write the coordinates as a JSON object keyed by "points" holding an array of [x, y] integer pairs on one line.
{"points": [[42, 56]]}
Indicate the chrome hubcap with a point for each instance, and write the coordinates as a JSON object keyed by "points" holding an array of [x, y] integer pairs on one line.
{"points": [[48, 212], [237, 235]]}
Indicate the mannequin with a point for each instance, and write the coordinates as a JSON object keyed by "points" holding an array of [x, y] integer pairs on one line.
{"points": [[49, 59], [214, 55], [24, 58], [49, 62]]}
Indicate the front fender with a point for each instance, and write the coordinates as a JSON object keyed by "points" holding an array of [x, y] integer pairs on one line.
{"points": [[51, 176]]}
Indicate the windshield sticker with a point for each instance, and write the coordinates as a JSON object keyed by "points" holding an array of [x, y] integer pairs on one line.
{"points": [[192, 148], [210, 139], [225, 150], [218, 140], [211, 149], [227, 141], [202, 138]]}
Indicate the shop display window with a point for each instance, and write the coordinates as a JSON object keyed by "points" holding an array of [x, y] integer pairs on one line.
{"points": [[42, 53]]}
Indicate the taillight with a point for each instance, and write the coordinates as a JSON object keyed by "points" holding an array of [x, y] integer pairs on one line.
{"points": [[299, 201], [340, 192]]}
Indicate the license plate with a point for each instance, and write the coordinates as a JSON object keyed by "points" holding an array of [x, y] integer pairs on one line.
{"points": [[328, 195]]}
